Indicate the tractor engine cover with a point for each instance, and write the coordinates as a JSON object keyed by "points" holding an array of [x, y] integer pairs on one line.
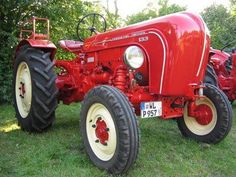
{"points": [[176, 49]]}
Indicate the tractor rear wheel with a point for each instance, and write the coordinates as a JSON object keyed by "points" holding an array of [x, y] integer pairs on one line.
{"points": [[210, 76], [35, 92], [217, 119], [109, 129]]}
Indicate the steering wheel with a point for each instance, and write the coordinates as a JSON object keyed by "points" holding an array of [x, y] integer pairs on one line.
{"points": [[89, 24]]}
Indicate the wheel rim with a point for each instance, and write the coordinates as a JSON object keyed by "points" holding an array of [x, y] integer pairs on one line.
{"points": [[101, 132], [23, 89], [201, 125]]}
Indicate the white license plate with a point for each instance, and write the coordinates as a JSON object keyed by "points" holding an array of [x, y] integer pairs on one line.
{"points": [[151, 109]]}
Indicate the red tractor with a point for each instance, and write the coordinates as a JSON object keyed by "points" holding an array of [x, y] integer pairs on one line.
{"points": [[221, 72], [148, 69]]}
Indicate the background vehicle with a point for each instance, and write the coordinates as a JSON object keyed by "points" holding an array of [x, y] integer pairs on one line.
{"points": [[221, 72], [137, 69]]}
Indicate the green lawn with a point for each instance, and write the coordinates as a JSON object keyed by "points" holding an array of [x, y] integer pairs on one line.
{"points": [[59, 152]]}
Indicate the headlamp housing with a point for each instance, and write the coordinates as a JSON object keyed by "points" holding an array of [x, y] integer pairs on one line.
{"points": [[134, 57]]}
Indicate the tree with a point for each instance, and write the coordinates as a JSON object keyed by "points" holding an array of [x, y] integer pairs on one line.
{"points": [[63, 14], [113, 19], [233, 7], [166, 8], [151, 12], [221, 23], [145, 14]]}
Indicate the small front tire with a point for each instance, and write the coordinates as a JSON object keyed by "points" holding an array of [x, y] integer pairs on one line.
{"points": [[109, 129], [218, 120]]}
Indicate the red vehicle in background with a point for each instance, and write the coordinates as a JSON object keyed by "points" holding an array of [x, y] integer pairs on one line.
{"points": [[221, 71], [148, 69]]}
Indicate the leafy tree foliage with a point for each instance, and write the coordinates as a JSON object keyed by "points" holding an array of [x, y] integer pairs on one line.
{"points": [[221, 23], [151, 12], [233, 7], [7, 42], [64, 17], [113, 18], [166, 8], [145, 14]]}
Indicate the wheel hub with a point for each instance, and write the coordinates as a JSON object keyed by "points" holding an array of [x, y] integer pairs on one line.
{"points": [[203, 114], [200, 116], [102, 131], [23, 89]]}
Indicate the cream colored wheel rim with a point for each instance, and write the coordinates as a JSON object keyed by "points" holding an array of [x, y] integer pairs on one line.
{"points": [[194, 126], [23, 89], [95, 112]]}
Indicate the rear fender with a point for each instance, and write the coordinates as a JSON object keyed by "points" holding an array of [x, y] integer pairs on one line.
{"points": [[44, 45]]}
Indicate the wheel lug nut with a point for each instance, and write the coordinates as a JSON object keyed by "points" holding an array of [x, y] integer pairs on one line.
{"points": [[105, 144], [96, 141], [94, 126]]}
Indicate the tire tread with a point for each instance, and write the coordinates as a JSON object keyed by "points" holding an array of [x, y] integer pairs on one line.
{"points": [[44, 91]]}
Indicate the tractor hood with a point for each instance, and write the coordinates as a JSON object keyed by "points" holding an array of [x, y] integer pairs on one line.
{"points": [[176, 47]]}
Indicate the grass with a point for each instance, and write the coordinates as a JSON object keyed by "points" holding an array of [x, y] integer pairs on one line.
{"points": [[59, 152]]}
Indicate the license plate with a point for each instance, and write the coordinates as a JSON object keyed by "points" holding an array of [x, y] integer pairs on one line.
{"points": [[151, 109]]}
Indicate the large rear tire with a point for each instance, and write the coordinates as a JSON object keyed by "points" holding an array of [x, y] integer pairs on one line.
{"points": [[210, 76], [109, 129], [217, 121], [35, 92]]}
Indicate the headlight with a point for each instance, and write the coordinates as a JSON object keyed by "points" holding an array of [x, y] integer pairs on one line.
{"points": [[134, 57]]}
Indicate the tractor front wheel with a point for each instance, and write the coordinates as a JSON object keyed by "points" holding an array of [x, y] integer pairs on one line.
{"points": [[35, 92], [109, 129], [214, 119]]}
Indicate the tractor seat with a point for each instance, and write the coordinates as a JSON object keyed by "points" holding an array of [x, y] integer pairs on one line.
{"points": [[71, 45]]}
